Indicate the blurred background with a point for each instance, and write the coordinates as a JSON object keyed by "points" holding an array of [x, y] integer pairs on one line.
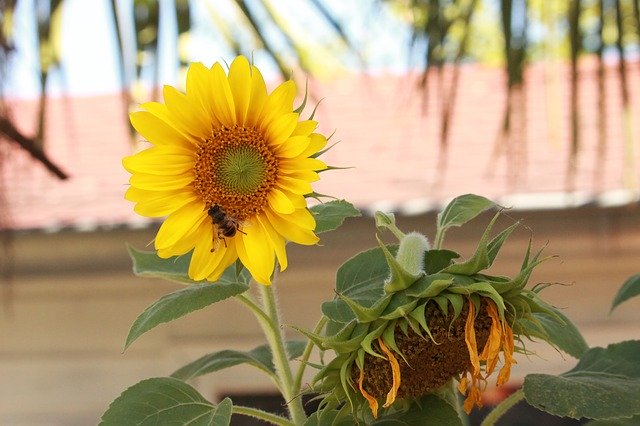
{"points": [[533, 103]]}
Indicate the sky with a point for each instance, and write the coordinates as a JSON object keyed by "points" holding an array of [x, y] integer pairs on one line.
{"points": [[88, 43]]}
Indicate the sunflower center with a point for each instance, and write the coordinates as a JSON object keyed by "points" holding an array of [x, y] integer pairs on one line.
{"points": [[235, 169], [430, 365]]}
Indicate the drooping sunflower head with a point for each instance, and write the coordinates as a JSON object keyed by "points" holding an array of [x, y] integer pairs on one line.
{"points": [[229, 166], [416, 320]]}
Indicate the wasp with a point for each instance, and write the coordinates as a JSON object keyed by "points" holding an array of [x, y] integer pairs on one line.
{"points": [[225, 225]]}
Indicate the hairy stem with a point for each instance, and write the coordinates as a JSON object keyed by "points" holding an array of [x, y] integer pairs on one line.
{"points": [[262, 415], [297, 383], [274, 336]]}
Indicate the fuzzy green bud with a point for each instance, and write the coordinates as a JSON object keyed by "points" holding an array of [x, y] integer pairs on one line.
{"points": [[411, 252]]}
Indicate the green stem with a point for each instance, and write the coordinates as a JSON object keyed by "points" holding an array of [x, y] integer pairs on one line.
{"points": [[262, 415], [254, 308], [438, 240], [265, 323], [297, 384], [503, 407], [274, 336]]}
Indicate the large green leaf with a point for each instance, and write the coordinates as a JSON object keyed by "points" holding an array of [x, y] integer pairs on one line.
{"points": [[629, 289], [331, 215], [259, 357], [148, 264], [361, 279], [604, 385], [459, 211], [164, 401], [429, 410], [630, 421], [187, 300], [565, 336]]}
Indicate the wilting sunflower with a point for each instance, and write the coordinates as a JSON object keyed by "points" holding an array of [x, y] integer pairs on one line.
{"points": [[423, 322], [229, 165]]}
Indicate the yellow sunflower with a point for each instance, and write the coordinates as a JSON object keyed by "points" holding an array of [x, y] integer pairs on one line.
{"points": [[229, 165]]}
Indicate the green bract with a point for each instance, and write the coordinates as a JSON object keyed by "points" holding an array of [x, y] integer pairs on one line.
{"points": [[388, 295]]}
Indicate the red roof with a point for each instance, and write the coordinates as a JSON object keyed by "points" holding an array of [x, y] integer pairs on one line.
{"points": [[383, 134]]}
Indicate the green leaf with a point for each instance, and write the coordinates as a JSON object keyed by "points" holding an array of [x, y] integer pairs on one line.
{"points": [[428, 410], [480, 259], [436, 260], [165, 400], [565, 337], [330, 215], [362, 277], [187, 300], [629, 289], [459, 211], [604, 385], [259, 357], [630, 421], [148, 264]]}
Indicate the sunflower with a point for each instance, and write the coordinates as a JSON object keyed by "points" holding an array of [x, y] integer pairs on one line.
{"points": [[425, 322], [229, 166]]}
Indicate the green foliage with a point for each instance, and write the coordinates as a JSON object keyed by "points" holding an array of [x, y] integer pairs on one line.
{"points": [[631, 288], [149, 264], [563, 335], [431, 407], [630, 421], [604, 385], [330, 215], [165, 400], [187, 300], [259, 357], [459, 211]]}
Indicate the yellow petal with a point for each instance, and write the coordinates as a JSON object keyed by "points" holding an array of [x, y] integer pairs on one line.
{"points": [[492, 347], [223, 104], [256, 253], [181, 222], [279, 202], [373, 403], [160, 161], [279, 102], [290, 165], [316, 143], [304, 128], [164, 205], [507, 349], [395, 371], [240, 84], [136, 194], [230, 256], [293, 147], [276, 240], [302, 218], [199, 90], [204, 261], [291, 231], [258, 97], [295, 186], [158, 131], [185, 244], [160, 183], [279, 130], [470, 339], [190, 114], [306, 175]]}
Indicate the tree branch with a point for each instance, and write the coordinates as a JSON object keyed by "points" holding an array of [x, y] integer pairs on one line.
{"points": [[13, 134]]}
